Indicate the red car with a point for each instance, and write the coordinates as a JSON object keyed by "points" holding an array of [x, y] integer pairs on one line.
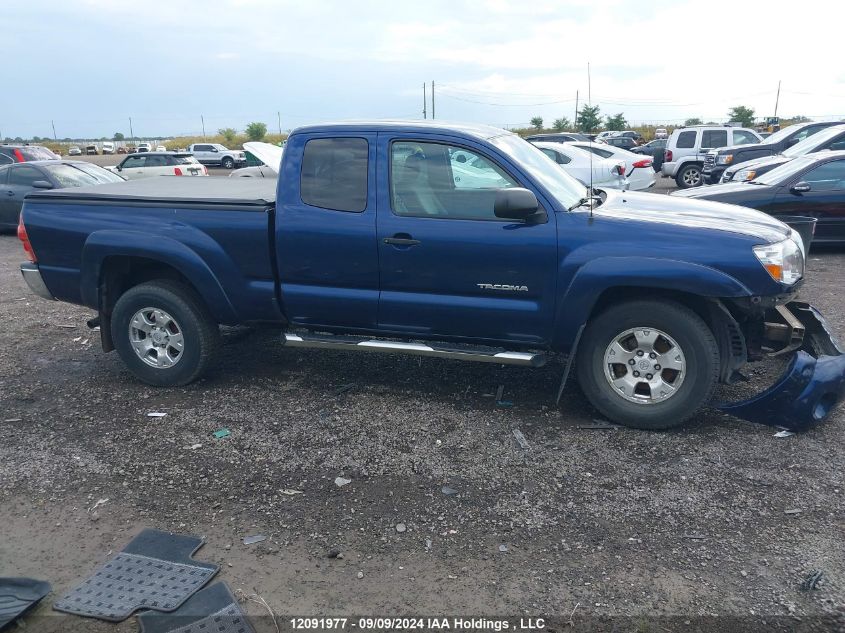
{"points": [[24, 153]]}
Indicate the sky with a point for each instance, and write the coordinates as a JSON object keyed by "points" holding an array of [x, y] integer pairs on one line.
{"points": [[87, 66]]}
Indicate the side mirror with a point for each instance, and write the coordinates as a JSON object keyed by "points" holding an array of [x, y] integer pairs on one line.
{"points": [[41, 184], [214, 149], [800, 187], [791, 142], [515, 204]]}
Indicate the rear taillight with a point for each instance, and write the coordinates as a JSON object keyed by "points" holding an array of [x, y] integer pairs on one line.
{"points": [[177, 171], [205, 170], [667, 155], [646, 162], [21, 158], [24, 238]]}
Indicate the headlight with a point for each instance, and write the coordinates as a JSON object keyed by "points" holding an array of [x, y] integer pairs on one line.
{"points": [[725, 159], [783, 260], [744, 174]]}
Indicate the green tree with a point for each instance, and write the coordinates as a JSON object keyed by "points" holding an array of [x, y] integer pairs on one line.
{"points": [[537, 123], [742, 115], [118, 136], [693, 121], [256, 131], [589, 118], [617, 122], [229, 133], [561, 124]]}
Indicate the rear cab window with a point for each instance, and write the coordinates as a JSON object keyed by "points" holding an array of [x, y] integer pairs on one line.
{"points": [[334, 174]]}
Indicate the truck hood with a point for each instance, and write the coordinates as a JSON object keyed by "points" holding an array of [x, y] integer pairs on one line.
{"points": [[734, 148], [686, 212], [270, 155]]}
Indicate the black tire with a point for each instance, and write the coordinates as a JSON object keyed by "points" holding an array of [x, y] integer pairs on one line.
{"points": [[690, 176], [228, 162], [691, 334], [199, 331]]}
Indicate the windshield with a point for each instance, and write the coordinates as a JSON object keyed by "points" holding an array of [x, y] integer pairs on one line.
{"points": [[566, 190], [71, 176], [37, 153], [778, 136], [810, 143], [785, 171]]}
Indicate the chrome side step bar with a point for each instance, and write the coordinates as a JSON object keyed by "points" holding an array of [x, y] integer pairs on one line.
{"points": [[457, 352]]}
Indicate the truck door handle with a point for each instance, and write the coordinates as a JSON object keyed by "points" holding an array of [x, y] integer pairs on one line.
{"points": [[401, 241]]}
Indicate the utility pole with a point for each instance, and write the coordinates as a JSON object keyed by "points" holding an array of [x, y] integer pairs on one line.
{"points": [[279, 115], [131, 133], [425, 114], [777, 98], [55, 138], [432, 99], [202, 118]]}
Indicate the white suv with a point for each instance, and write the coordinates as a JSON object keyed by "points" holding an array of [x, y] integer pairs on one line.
{"points": [[684, 155], [216, 154]]}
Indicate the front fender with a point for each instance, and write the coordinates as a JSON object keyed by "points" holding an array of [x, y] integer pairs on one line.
{"points": [[602, 274], [110, 243]]}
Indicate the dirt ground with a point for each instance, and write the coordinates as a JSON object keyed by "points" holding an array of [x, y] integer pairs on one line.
{"points": [[596, 529]]}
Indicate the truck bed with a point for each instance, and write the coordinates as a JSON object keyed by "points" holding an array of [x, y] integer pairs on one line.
{"points": [[171, 191]]}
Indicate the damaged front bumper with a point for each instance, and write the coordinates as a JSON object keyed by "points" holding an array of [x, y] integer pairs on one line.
{"points": [[811, 387]]}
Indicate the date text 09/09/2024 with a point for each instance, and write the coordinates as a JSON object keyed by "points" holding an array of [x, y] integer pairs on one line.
{"points": [[418, 623]]}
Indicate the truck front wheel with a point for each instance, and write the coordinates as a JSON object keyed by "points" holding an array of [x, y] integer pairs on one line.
{"points": [[689, 176], [229, 162], [163, 333], [648, 364]]}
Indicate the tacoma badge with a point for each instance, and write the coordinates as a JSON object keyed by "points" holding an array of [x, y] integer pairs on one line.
{"points": [[506, 287]]}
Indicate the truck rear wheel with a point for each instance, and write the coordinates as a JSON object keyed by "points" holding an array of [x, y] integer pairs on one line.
{"points": [[648, 364], [163, 333], [689, 176]]}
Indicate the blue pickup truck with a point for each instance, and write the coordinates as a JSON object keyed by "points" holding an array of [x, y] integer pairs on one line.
{"points": [[453, 241]]}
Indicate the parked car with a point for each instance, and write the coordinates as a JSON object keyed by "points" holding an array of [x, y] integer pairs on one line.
{"points": [[267, 153], [630, 134], [832, 138], [74, 151], [661, 133], [652, 298], [686, 148], [812, 185], [144, 147], [557, 137], [602, 135], [640, 172], [17, 180], [148, 164], [654, 149], [161, 148], [718, 159], [24, 153], [108, 147], [121, 149], [216, 154], [624, 142], [606, 172], [91, 149]]}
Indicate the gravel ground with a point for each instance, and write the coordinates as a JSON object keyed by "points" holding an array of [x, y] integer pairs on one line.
{"points": [[602, 529]]}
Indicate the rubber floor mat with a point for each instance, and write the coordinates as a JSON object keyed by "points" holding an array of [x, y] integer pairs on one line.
{"points": [[19, 594], [213, 609], [154, 571]]}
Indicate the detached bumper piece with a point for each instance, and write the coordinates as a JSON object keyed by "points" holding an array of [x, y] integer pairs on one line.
{"points": [[811, 387]]}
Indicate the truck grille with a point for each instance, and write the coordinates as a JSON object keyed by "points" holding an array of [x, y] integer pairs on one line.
{"points": [[710, 159]]}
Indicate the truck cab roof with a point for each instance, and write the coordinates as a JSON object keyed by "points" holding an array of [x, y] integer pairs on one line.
{"points": [[412, 126]]}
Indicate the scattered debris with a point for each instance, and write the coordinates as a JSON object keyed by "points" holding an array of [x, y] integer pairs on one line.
{"points": [[77, 339], [65, 326], [428, 544], [503, 548], [500, 392], [812, 580], [793, 511], [193, 447], [598, 425], [290, 492], [97, 505], [784, 433], [222, 433], [400, 527], [695, 537], [156, 414], [521, 439], [334, 553], [343, 389], [446, 490], [13, 420], [360, 575], [257, 538], [256, 598], [341, 481]]}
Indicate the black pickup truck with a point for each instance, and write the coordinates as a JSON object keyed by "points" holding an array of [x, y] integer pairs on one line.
{"points": [[717, 160]]}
